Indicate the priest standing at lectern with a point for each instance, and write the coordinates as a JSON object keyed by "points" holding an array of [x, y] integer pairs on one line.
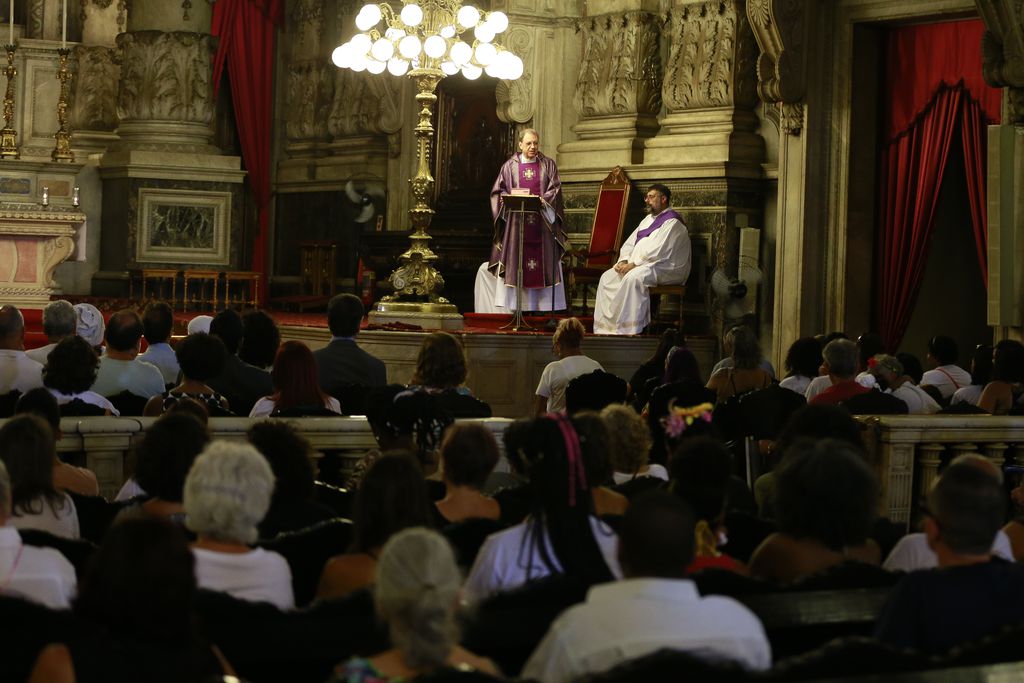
{"points": [[543, 238]]}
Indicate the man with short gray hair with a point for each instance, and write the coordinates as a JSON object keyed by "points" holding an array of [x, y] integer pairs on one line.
{"points": [[59, 321], [42, 575], [841, 367], [18, 372]]}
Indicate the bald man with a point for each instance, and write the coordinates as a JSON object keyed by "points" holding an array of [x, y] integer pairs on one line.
{"points": [[18, 372]]}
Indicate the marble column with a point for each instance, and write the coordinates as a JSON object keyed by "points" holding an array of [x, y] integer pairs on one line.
{"points": [[1003, 67], [163, 173]]}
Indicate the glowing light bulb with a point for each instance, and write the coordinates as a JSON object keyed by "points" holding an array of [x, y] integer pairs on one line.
{"points": [[468, 16], [411, 15], [460, 53], [471, 72], [409, 47], [435, 46], [448, 31], [342, 56], [360, 44], [485, 54], [397, 67], [449, 68], [498, 21], [368, 17], [515, 68], [483, 33], [382, 50], [375, 67]]}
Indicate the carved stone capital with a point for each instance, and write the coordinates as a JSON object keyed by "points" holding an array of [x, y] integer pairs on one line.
{"points": [[166, 77], [515, 98], [310, 88], [712, 55], [1002, 47], [781, 30], [94, 89], [620, 73]]}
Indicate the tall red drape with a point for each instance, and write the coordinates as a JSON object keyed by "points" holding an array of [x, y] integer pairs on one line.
{"points": [[933, 83], [246, 29]]}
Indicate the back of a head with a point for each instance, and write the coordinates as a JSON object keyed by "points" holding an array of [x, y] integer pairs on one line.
{"points": [[5, 491], [71, 366], [391, 497], [288, 454], [681, 365], [700, 469], [378, 404], [27, 448], [656, 537], [593, 391], [420, 415], [668, 341], [40, 402], [228, 326], [344, 315], [141, 583], [90, 325], [968, 504], [804, 357], [869, 345], [441, 362], [416, 593], [166, 453], [294, 376], [911, 366], [59, 319], [227, 492], [260, 338], [629, 439], [469, 454], [124, 330], [157, 322], [569, 333], [818, 422], [201, 356], [199, 324], [12, 326], [826, 492], [943, 349], [1008, 361], [981, 365], [841, 356], [746, 351]]}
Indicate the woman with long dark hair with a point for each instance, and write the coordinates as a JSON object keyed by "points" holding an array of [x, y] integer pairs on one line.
{"points": [[561, 535], [296, 386]]}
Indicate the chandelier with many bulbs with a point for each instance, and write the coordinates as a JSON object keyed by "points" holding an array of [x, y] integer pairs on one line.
{"points": [[431, 34]]}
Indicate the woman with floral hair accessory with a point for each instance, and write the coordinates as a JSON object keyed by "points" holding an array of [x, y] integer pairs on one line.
{"points": [[561, 535]]}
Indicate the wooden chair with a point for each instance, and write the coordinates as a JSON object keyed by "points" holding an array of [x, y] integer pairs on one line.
{"points": [[677, 290], [605, 233]]}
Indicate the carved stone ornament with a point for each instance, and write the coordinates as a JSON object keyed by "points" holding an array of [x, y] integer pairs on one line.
{"points": [[94, 103], [310, 88], [35, 18], [365, 104], [780, 28], [515, 98], [791, 117], [308, 22], [711, 60], [1002, 47], [620, 73], [166, 76]]}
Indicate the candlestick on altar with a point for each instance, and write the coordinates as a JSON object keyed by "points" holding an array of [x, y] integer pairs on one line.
{"points": [[75, 198], [62, 148], [9, 136], [10, 33], [64, 27], [46, 195]]}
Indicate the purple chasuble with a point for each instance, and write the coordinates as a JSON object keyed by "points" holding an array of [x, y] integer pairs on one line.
{"points": [[533, 237], [665, 215]]}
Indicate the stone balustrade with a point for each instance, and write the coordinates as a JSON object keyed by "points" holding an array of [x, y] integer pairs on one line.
{"points": [[907, 451], [107, 442]]}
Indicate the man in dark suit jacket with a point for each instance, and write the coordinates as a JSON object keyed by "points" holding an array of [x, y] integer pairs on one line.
{"points": [[240, 383], [342, 364]]}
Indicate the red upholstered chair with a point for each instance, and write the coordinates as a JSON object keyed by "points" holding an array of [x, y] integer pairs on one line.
{"points": [[605, 233]]}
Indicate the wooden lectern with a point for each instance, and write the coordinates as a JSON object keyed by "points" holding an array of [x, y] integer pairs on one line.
{"points": [[520, 204]]}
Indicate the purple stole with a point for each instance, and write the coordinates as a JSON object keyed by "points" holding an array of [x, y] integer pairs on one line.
{"points": [[665, 215], [533, 239]]}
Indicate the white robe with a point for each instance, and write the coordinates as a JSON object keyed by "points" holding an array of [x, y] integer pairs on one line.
{"points": [[492, 295], [622, 305]]}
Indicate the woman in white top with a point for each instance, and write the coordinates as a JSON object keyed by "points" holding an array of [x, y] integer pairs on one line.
{"points": [[69, 374], [227, 493], [802, 363], [561, 536], [296, 387], [571, 363], [27, 449], [981, 373]]}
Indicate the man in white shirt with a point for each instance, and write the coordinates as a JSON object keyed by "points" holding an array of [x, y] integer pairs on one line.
{"points": [[42, 575], [18, 372], [157, 325], [120, 368], [657, 253], [945, 375], [654, 607], [59, 321]]}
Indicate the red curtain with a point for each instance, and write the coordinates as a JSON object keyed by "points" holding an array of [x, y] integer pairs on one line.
{"points": [[246, 29], [933, 82]]}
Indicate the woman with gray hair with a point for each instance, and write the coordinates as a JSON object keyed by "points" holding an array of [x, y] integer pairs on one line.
{"points": [[227, 493], [416, 594]]}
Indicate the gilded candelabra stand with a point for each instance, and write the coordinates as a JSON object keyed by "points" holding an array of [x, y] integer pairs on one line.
{"points": [[9, 136], [62, 150], [416, 281]]}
